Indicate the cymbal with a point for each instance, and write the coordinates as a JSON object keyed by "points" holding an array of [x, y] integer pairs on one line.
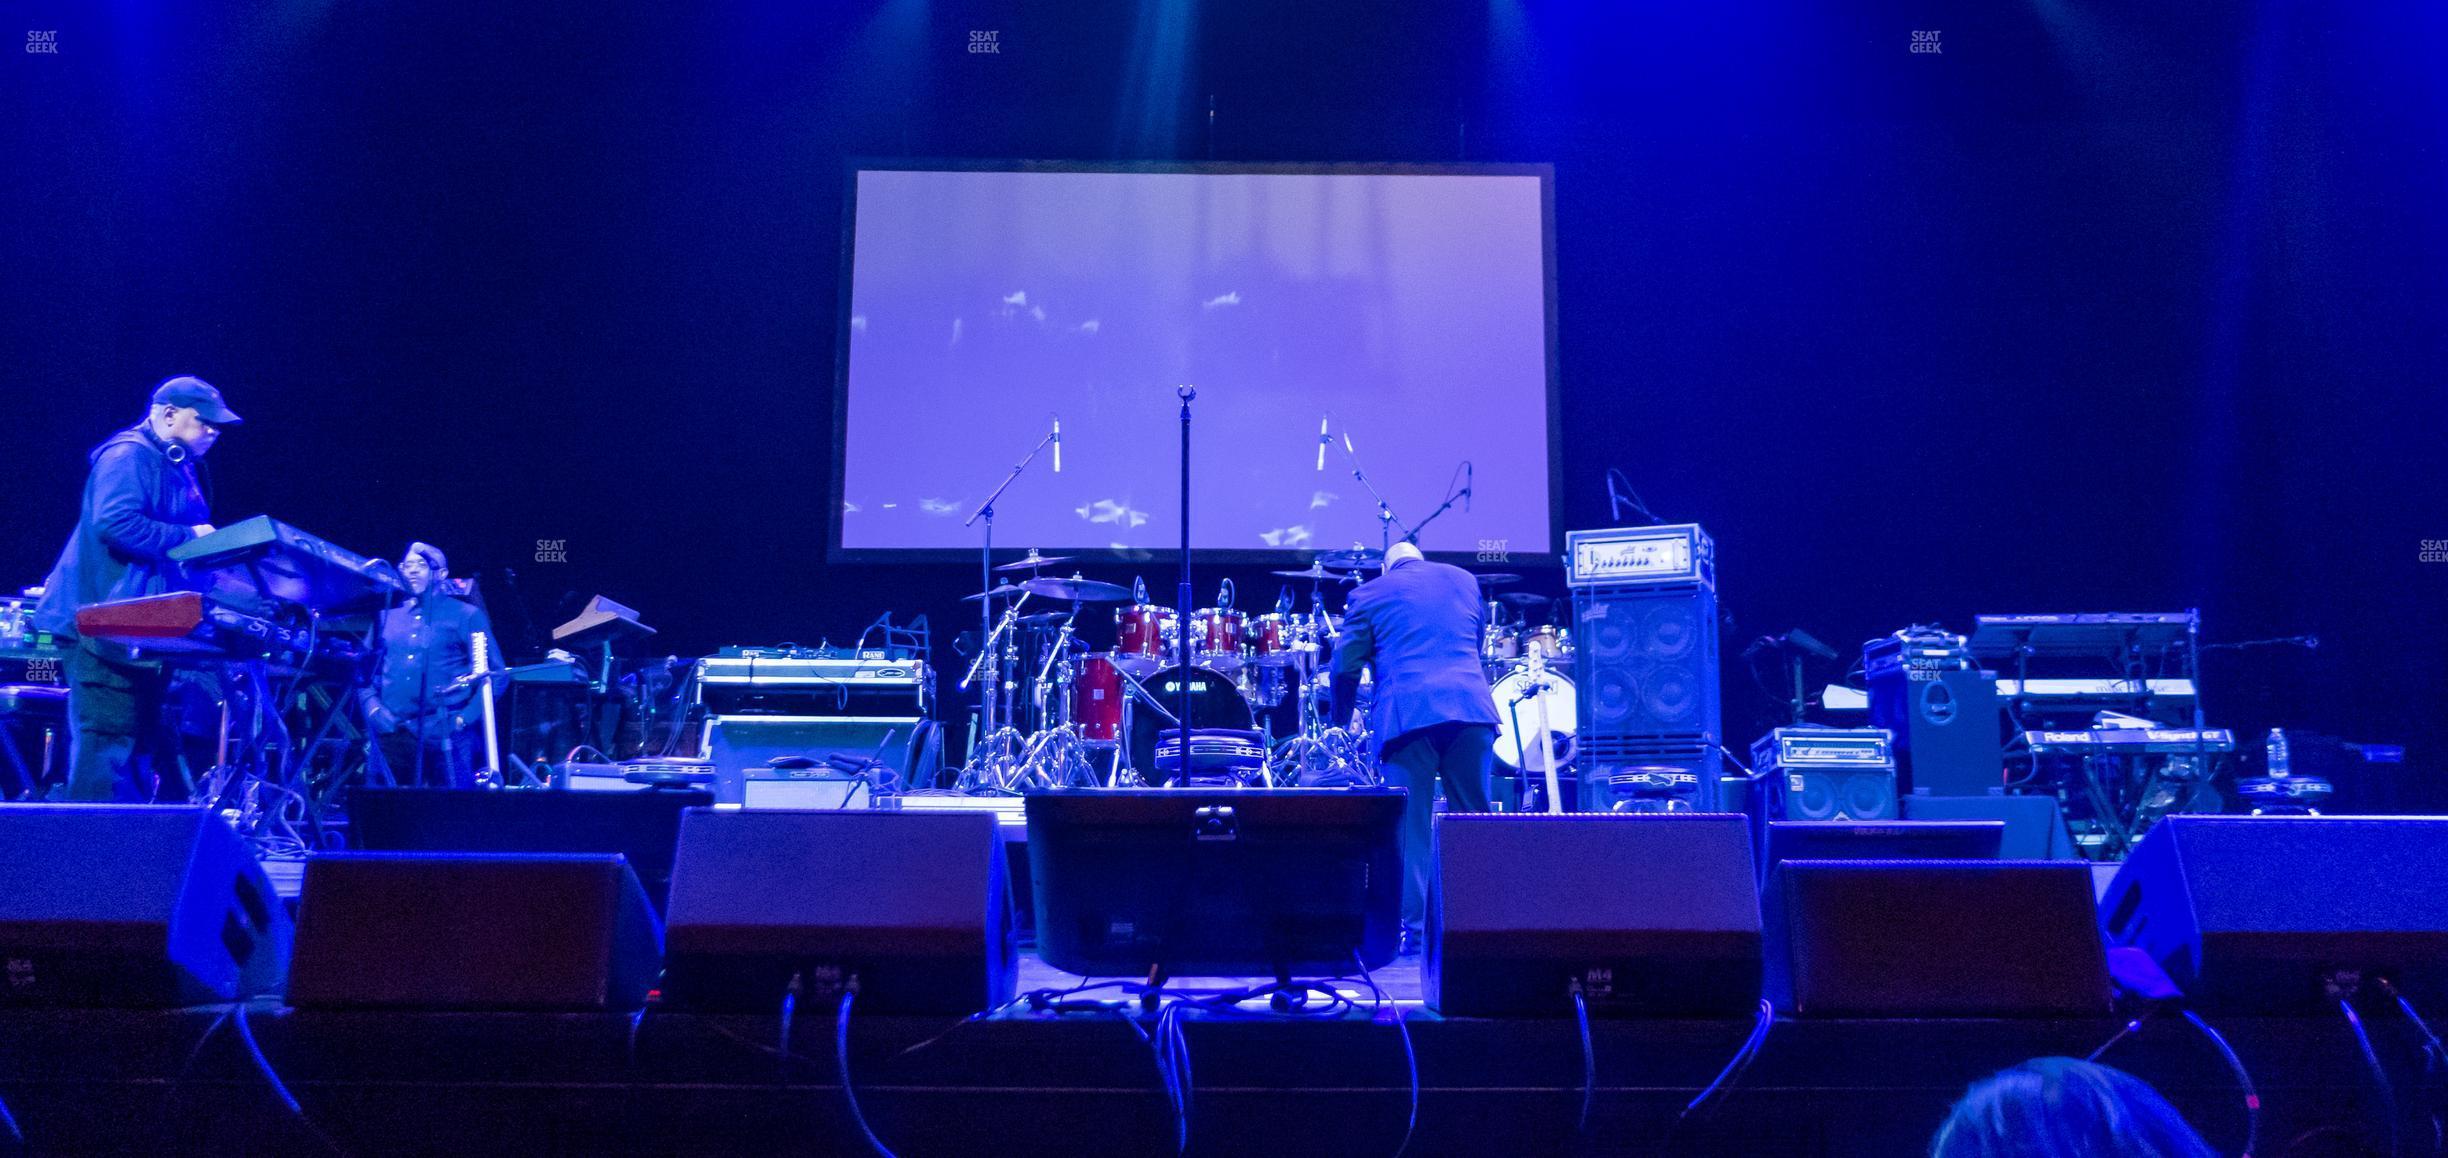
{"points": [[1033, 560], [1357, 558], [997, 592], [1044, 618], [1497, 579], [1079, 590], [1314, 572], [1525, 599]]}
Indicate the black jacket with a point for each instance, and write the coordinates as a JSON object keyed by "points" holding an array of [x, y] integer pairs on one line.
{"points": [[138, 504]]}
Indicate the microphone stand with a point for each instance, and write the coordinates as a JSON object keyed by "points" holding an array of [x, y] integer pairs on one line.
{"points": [[1443, 507], [1386, 522], [1182, 641], [986, 698]]}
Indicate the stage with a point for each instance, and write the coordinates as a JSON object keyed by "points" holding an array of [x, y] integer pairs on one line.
{"points": [[1080, 1084]]}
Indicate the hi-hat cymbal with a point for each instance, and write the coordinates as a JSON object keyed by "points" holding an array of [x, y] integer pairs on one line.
{"points": [[1033, 560], [997, 592], [1314, 572], [1497, 579], [1525, 599], [1078, 590], [1358, 558]]}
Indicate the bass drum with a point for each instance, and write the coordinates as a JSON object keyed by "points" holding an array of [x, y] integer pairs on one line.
{"points": [[1536, 712], [1214, 703]]}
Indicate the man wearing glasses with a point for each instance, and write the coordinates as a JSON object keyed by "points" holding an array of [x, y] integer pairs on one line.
{"points": [[142, 498]]}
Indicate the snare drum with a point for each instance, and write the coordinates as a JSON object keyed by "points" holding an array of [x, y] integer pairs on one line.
{"points": [[1096, 701], [1214, 703], [1143, 637], [1215, 638]]}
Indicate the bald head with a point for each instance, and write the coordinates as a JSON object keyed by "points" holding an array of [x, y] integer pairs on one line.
{"points": [[1401, 553]]}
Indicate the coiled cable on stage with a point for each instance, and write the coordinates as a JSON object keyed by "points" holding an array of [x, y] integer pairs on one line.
{"points": [[2379, 1073], [280, 1089], [1740, 1062], [841, 1059], [2252, 1096]]}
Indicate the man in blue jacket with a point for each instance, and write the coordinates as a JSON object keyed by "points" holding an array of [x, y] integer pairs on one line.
{"points": [[141, 499], [1416, 630]]}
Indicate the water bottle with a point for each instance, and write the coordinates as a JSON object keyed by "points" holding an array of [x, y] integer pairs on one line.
{"points": [[2277, 753]]}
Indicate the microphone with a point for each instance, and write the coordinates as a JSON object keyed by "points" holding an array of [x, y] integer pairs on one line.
{"points": [[1224, 595], [1470, 475], [1321, 442], [1058, 444], [1614, 500]]}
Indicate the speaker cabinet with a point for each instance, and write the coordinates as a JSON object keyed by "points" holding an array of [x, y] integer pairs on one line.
{"points": [[1646, 663], [2255, 912], [1836, 794], [1946, 729], [1935, 939], [1649, 915], [133, 905], [914, 907], [474, 931]]}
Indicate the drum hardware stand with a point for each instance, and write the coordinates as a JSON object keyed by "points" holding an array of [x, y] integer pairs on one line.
{"points": [[1462, 495], [995, 757], [986, 703]]}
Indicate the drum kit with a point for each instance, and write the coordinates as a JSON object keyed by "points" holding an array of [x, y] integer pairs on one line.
{"points": [[1079, 717], [1085, 718]]}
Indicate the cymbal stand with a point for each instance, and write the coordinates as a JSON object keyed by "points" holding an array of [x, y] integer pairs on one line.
{"points": [[1386, 520], [1056, 755], [994, 758]]}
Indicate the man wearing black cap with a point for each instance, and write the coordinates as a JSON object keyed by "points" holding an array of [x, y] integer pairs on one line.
{"points": [[422, 707], [142, 498]]}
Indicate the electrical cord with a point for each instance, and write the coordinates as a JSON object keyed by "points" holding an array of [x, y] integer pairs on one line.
{"points": [[1589, 1058], [2435, 1059], [1410, 1055], [2379, 1073], [8, 1122], [841, 1058], [2252, 1096], [280, 1089], [1738, 1064]]}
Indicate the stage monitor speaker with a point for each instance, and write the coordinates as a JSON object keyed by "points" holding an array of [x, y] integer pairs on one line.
{"points": [[641, 825], [2256, 913], [1946, 727], [1649, 915], [1646, 663], [1935, 939], [912, 907], [133, 905], [2035, 827], [474, 931]]}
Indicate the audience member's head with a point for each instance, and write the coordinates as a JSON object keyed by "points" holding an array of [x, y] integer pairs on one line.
{"points": [[2057, 1107]]}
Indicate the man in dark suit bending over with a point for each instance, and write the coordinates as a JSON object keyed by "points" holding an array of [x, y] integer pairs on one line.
{"points": [[1416, 630]]}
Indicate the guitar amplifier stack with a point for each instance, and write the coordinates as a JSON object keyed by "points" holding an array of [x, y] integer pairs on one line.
{"points": [[1645, 657], [833, 713]]}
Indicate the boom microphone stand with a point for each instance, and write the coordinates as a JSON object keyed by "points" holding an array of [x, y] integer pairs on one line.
{"points": [[1386, 522], [987, 697]]}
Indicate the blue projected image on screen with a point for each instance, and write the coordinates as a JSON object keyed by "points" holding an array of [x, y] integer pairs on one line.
{"points": [[1410, 307]]}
